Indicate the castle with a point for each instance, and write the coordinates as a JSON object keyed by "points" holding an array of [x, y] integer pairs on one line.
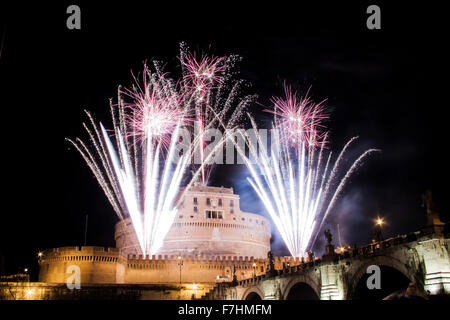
{"points": [[211, 240], [215, 251]]}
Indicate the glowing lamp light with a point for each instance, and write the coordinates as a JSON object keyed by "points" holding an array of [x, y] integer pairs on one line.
{"points": [[379, 221], [195, 287], [30, 292]]}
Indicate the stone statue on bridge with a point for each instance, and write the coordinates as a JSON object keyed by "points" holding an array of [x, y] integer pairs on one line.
{"points": [[329, 249], [433, 219], [329, 236], [310, 256], [271, 268]]}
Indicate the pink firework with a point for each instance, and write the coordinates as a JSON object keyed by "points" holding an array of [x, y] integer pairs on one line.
{"points": [[155, 109], [202, 74], [300, 118]]}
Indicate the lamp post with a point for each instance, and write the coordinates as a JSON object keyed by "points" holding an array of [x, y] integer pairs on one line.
{"points": [[379, 223], [27, 276], [180, 264]]}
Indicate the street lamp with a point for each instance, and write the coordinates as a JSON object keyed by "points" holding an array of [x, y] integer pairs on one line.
{"points": [[379, 223], [27, 276], [180, 264]]}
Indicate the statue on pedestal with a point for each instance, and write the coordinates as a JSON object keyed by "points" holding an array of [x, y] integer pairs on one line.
{"points": [[433, 219], [271, 269], [310, 256], [234, 279], [329, 236], [329, 248]]}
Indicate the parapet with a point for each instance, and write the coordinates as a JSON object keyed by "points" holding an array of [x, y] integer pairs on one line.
{"points": [[102, 254], [83, 253], [194, 258]]}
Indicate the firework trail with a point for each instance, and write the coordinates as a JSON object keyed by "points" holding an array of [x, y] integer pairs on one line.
{"points": [[211, 90], [296, 185], [139, 174]]}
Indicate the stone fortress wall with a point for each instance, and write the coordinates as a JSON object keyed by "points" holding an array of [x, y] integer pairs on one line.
{"points": [[209, 240], [99, 265], [209, 223]]}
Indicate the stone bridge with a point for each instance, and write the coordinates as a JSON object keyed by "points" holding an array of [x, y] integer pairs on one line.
{"points": [[421, 258]]}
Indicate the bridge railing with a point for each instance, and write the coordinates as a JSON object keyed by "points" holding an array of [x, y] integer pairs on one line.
{"points": [[352, 252], [377, 246]]}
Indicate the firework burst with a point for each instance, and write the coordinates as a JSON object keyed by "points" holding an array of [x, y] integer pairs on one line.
{"points": [[140, 173], [300, 118], [297, 187], [202, 74], [155, 109], [213, 92], [141, 180]]}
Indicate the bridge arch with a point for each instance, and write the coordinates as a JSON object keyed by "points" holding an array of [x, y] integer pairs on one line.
{"points": [[253, 293], [302, 280], [389, 264]]}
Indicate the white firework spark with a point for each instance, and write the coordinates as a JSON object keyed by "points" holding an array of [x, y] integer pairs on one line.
{"points": [[295, 188]]}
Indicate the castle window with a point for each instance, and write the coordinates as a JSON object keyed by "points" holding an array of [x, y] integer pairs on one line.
{"points": [[195, 209], [231, 210], [231, 203], [195, 201], [192, 216], [180, 217], [208, 201], [214, 214], [220, 202]]}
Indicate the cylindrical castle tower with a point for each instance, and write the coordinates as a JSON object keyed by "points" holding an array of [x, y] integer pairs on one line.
{"points": [[209, 222]]}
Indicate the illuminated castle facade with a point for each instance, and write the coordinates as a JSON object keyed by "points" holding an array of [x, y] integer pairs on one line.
{"points": [[209, 223], [210, 240]]}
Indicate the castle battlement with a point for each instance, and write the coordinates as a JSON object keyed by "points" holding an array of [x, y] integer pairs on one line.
{"points": [[192, 258], [82, 249], [210, 240], [102, 254], [109, 265]]}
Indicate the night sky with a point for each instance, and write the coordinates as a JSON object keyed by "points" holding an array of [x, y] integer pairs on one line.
{"points": [[377, 84]]}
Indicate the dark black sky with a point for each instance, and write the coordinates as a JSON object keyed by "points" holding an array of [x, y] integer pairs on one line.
{"points": [[378, 84]]}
